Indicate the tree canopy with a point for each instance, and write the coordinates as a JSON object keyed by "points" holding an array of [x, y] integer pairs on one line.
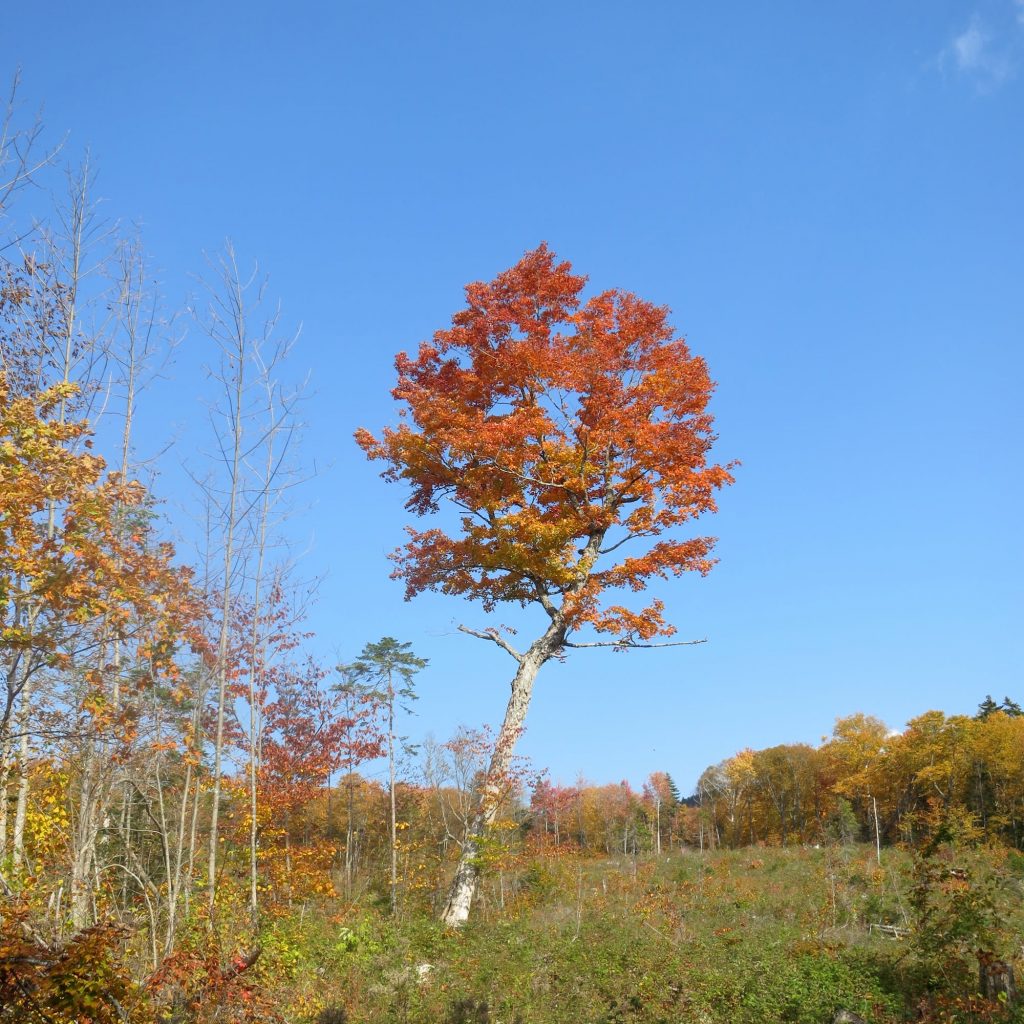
{"points": [[564, 429]]}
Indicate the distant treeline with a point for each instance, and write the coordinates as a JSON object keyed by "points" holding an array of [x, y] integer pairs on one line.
{"points": [[942, 777], [954, 776]]}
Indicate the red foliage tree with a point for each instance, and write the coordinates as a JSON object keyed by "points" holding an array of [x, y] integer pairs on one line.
{"points": [[564, 429]]}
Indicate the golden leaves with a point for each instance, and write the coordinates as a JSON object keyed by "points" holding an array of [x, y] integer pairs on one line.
{"points": [[73, 547]]}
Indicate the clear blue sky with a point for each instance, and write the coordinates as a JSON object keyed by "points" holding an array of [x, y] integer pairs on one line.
{"points": [[829, 196]]}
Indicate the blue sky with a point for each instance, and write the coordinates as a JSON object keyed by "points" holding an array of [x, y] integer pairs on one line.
{"points": [[827, 195]]}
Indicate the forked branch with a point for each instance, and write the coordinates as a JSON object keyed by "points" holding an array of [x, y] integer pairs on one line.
{"points": [[495, 637]]}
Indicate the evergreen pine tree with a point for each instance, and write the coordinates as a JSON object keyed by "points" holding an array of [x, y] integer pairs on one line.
{"points": [[673, 790], [987, 707], [1011, 708]]}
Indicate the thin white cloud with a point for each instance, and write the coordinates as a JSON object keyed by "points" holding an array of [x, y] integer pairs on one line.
{"points": [[978, 54], [969, 48]]}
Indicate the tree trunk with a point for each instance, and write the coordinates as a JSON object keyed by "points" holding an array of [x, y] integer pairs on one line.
{"points": [[391, 796], [5, 776], [488, 798], [349, 854], [996, 979], [878, 834], [81, 886], [21, 809], [234, 384]]}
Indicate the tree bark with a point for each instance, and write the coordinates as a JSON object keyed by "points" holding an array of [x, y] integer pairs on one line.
{"points": [[391, 795], [349, 858], [21, 809], [488, 798], [996, 979]]}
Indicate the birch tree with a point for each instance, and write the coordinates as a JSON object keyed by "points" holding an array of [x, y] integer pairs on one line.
{"points": [[253, 426], [565, 432]]}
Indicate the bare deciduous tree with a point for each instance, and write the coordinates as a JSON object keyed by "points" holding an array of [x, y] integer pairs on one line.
{"points": [[254, 427]]}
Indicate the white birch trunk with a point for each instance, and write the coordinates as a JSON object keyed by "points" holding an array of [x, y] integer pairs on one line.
{"points": [[488, 799]]}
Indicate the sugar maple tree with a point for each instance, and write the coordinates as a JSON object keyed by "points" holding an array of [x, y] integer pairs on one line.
{"points": [[570, 433]]}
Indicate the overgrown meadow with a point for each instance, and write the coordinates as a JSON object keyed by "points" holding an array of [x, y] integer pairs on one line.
{"points": [[748, 935], [721, 936]]}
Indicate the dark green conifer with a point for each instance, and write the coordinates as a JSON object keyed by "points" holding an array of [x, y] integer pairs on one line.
{"points": [[987, 707]]}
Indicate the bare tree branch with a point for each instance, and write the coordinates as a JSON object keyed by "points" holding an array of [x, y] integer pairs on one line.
{"points": [[495, 637], [630, 644]]}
